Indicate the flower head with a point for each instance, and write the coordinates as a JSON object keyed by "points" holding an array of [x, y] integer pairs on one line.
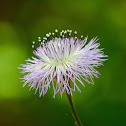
{"points": [[61, 60]]}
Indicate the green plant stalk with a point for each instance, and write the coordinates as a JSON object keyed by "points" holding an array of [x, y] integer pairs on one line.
{"points": [[73, 110]]}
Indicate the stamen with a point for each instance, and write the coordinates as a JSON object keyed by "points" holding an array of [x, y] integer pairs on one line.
{"points": [[47, 35], [33, 46], [39, 39], [45, 38], [75, 32], [56, 30], [65, 33], [68, 30], [60, 33], [81, 37]]}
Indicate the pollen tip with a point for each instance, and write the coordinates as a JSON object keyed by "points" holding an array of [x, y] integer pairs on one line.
{"points": [[65, 32], [33, 46], [47, 35], [70, 30], [45, 38], [75, 32], [39, 37], [60, 33], [56, 30]]}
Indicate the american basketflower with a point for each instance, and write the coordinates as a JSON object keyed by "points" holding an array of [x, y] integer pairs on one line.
{"points": [[61, 62]]}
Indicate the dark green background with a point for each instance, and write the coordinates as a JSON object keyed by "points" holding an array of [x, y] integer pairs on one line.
{"points": [[22, 21]]}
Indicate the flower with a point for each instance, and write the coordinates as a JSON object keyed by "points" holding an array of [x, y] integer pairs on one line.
{"points": [[62, 60]]}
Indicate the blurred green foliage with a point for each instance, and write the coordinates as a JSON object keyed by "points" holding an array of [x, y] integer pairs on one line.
{"points": [[21, 22]]}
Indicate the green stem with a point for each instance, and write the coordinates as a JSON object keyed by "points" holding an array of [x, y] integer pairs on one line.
{"points": [[73, 110]]}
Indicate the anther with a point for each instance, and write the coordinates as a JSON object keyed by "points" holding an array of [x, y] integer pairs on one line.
{"points": [[70, 31], [33, 46], [65, 32], [47, 35], [75, 38], [75, 32], [39, 39], [45, 38], [60, 33], [81, 37], [56, 30]]}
